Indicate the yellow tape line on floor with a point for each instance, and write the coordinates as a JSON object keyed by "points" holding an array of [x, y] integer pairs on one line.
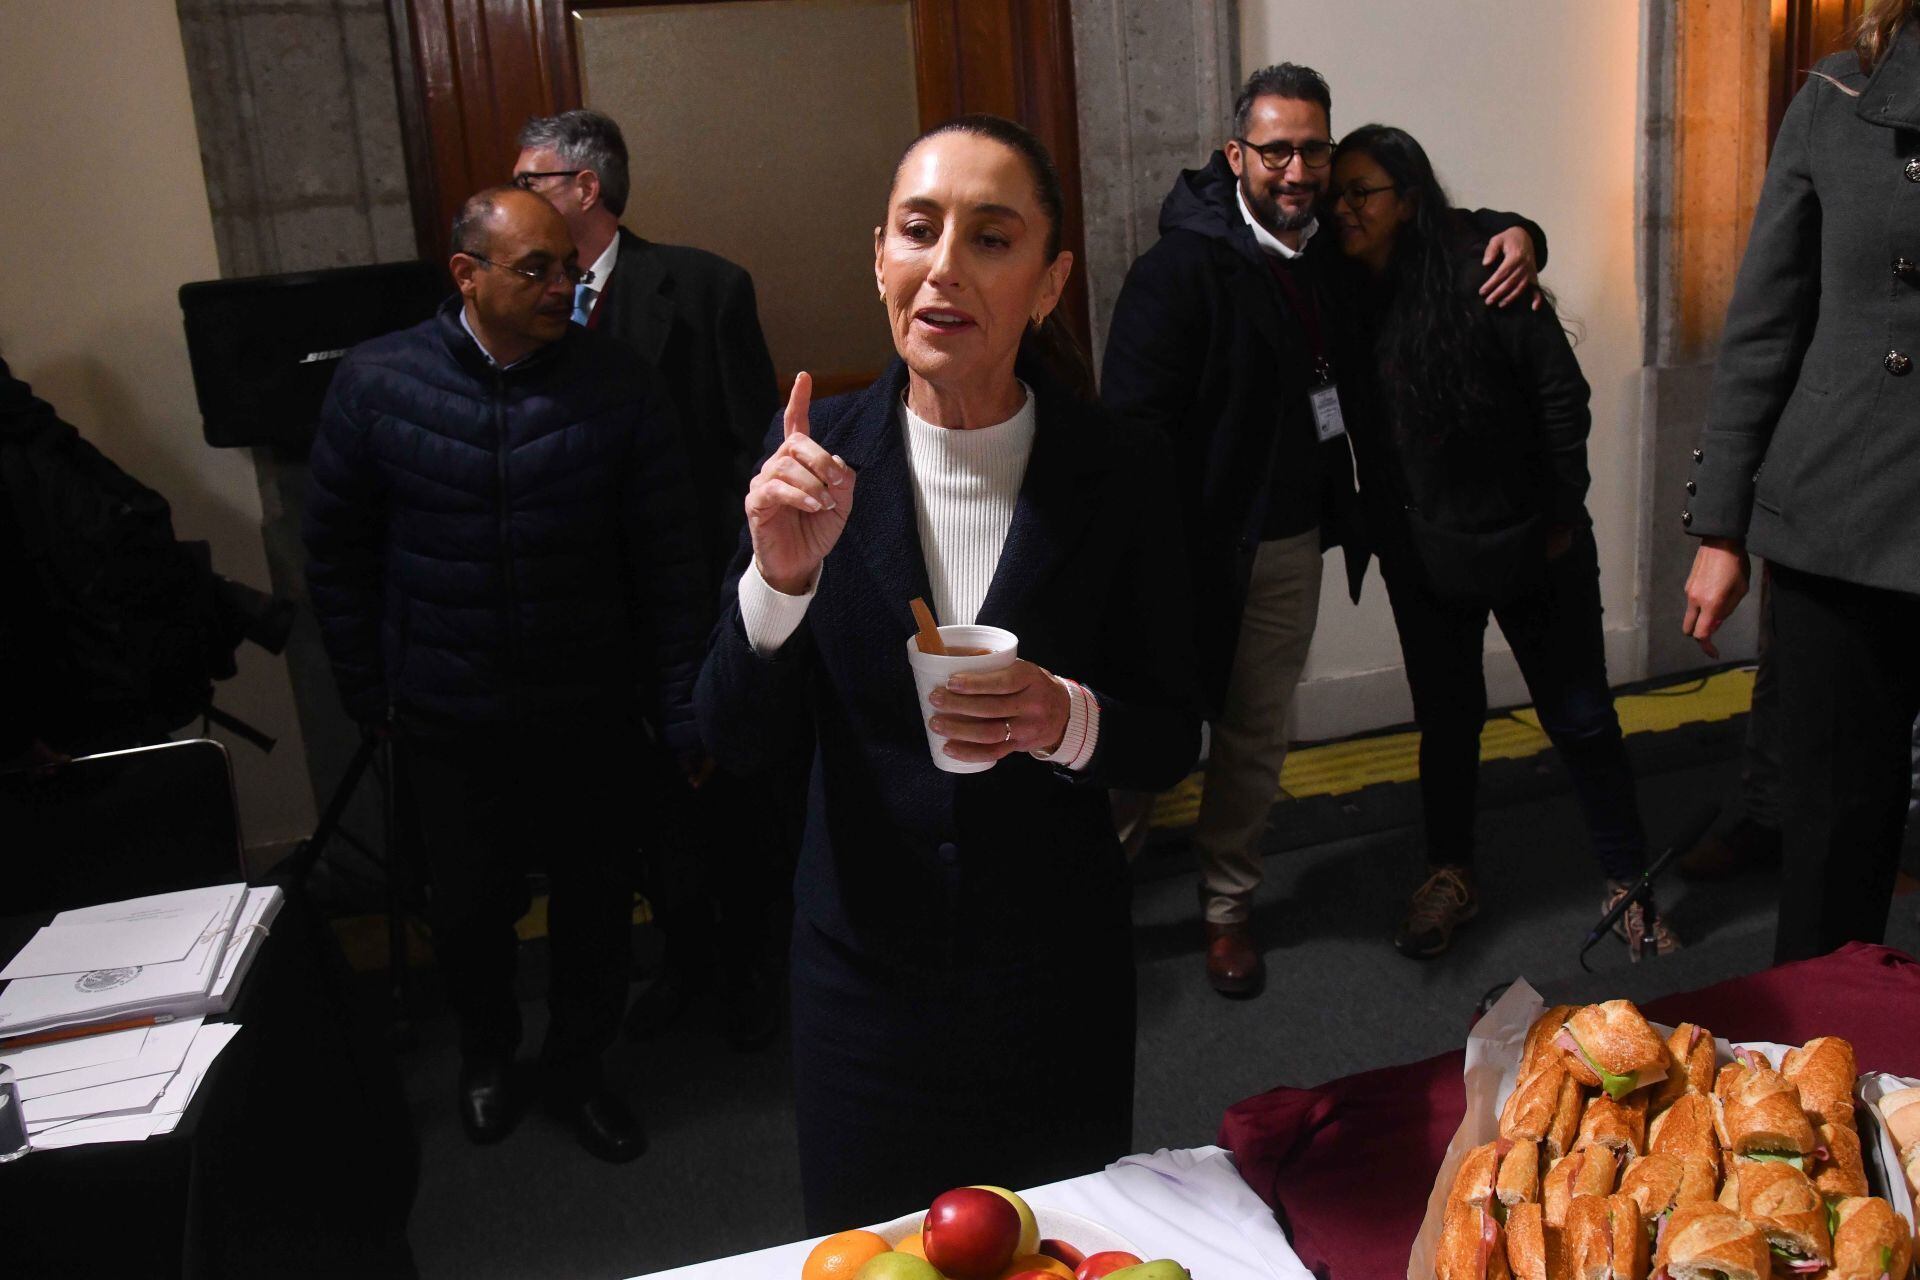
{"points": [[1338, 768]]}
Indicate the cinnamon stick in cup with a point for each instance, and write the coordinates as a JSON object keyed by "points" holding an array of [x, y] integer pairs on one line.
{"points": [[930, 641]]}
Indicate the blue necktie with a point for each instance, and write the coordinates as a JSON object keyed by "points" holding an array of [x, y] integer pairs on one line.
{"points": [[582, 303]]}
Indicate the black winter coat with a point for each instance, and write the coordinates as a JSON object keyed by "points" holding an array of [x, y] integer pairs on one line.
{"points": [[692, 315], [1811, 449], [900, 858], [1481, 497], [1203, 347], [504, 547]]}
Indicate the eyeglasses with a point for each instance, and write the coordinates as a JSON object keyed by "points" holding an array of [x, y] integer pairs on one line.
{"points": [[1278, 155], [525, 181], [572, 274], [1356, 196]]}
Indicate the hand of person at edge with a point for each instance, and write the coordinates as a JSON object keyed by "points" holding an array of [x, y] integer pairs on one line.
{"points": [[798, 504], [1559, 541], [1518, 272], [697, 767], [1715, 588], [987, 715]]}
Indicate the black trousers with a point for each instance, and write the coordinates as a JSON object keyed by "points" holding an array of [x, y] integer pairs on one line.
{"points": [[1848, 664], [493, 805], [907, 1083], [1553, 627]]}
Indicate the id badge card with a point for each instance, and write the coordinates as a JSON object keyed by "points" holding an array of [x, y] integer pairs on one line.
{"points": [[1328, 423]]}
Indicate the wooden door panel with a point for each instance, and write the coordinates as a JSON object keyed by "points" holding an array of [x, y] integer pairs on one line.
{"points": [[471, 71]]}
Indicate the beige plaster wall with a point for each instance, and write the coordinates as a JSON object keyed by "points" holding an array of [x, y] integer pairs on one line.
{"points": [[1528, 105]]}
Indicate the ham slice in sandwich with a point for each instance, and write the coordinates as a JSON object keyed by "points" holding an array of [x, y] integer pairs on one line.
{"points": [[1471, 1245]]}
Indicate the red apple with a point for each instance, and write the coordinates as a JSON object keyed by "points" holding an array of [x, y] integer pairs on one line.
{"points": [[970, 1233], [1099, 1264], [1061, 1251]]}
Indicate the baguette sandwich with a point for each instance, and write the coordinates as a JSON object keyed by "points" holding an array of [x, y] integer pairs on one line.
{"points": [[1686, 1129], [1692, 1050], [1823, 1070], [1502, 1172], [1871, 1241], [1761, 1118], [1610, 1046], [1539, 1048], [1535, 1251], [1583, 1173], [1470, 1246], [1659, 1183], [1606, 1239], [1781, 1201], [1621, 1127], [1838, 1170], [1529, 1112], [1708, 1242]]}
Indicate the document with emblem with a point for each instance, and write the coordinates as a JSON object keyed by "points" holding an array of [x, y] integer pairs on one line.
{"points": [[158, 929], [177, 988]]}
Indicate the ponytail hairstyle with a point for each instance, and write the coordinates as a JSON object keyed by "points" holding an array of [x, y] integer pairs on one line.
{"points": [[1878, 27], [1434, 342], [1048, 351]]}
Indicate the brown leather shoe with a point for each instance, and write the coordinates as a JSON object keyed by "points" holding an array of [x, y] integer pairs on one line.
{"points": [[1234, 966], [1721, 855]]}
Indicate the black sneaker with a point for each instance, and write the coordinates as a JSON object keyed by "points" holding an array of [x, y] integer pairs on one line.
{"points": [[1440, 905]]}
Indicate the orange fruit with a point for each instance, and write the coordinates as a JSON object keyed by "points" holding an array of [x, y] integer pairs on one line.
{"points": [[838, 1257], [912, 1245], [1037, 1262]]}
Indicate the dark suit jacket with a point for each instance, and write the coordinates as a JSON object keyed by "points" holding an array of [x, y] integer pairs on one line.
{"points": [[692, 315], [900, 858], [1811, 449]]}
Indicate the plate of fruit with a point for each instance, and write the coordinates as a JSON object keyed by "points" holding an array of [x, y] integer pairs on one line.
{"points": [[984, 1233]]}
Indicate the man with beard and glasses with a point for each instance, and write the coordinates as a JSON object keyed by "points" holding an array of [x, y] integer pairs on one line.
{"points": [[1231, 335]]}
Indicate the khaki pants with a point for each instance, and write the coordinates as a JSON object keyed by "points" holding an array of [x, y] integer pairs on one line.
{"points": [[1250, 737]]}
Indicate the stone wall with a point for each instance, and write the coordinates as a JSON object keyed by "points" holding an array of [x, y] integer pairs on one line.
{"points": [[1156, 80], [299, 125]]}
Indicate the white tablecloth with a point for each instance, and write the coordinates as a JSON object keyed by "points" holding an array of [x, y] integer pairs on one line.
{"points": [[1188, 1205]]}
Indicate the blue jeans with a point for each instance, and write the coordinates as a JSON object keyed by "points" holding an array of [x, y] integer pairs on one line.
{"points": [[1553, 628]]}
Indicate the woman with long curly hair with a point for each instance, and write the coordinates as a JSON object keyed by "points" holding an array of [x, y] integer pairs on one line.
{"points": [[1474, 477]]}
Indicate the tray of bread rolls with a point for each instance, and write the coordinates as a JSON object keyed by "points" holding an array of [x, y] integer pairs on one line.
{"points": [[1597, 1145]]}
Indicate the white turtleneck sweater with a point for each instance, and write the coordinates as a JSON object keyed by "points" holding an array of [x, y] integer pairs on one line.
{"points": [[965, 486]]}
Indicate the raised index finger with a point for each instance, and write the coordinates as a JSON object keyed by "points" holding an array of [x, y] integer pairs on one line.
{"points": [[796, 419]]}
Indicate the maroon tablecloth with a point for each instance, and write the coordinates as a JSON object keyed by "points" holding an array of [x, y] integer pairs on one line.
{"points": [[1348, 1166]]}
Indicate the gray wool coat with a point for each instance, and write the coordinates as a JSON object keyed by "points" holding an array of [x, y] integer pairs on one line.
{"points": [[1811, 449]]}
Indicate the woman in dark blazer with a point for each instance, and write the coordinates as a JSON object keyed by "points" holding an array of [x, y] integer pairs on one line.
{"points": [[1810, 457], [1473, 465], [963, 999]]}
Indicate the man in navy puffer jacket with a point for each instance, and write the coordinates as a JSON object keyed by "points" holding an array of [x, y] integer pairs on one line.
{"points": [[503, 558]]}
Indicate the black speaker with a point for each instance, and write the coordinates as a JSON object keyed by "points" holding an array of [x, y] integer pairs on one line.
{"points": [[264, 348]]}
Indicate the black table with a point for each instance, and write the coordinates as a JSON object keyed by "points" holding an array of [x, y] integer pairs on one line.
{"points": [[295, 1157]]}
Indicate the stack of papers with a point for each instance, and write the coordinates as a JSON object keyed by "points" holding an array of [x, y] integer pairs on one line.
{"points": [[172, 958], [123, 1086], [172, 954]]}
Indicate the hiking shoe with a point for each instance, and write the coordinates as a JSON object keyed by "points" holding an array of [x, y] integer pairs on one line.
{"points": [[1631, 927], [1444, 902]]}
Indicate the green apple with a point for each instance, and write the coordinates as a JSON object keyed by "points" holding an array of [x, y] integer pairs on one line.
{"points": [[1029, 1229], [897, 1266], [1158, 1269]]}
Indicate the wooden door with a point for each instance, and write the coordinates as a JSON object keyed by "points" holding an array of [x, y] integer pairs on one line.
{"points": [[1805, 31], [471, 72]]}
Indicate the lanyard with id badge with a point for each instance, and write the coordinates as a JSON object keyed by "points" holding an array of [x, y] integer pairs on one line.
{"points": [[1328, 422]]}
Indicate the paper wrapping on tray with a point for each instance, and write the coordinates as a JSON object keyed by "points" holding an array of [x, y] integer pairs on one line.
{"points": [[1493, 1066]]}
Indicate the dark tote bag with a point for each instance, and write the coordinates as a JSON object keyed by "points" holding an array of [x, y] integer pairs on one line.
{"points": [[1490, 564]]}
